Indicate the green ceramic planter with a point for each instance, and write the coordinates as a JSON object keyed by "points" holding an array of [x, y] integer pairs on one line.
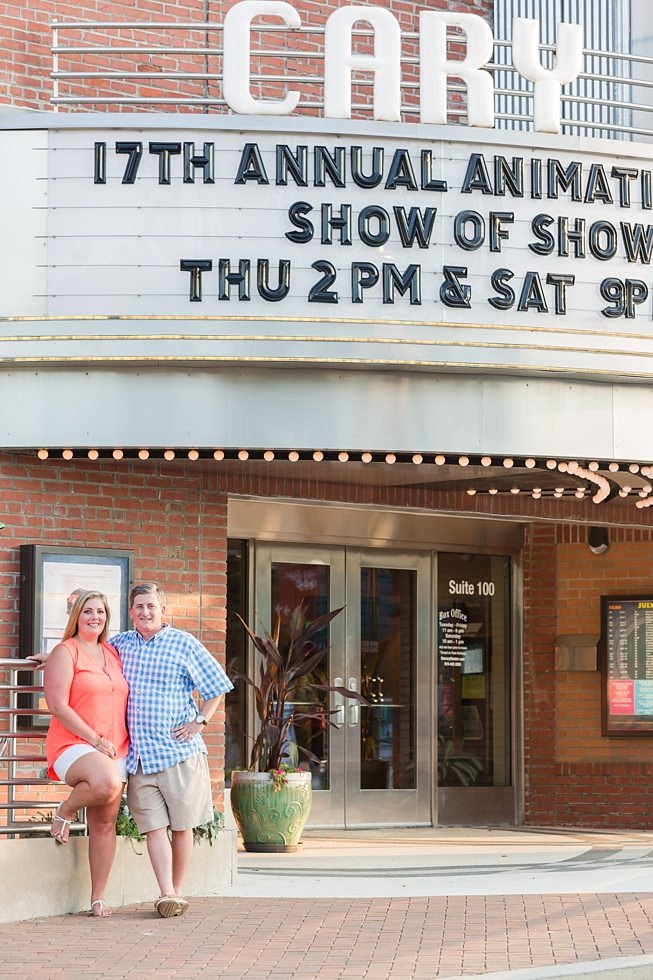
{"points": [[270, 820]]}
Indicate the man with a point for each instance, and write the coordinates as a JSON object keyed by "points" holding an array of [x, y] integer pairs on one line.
{"points": [[169, 784]]}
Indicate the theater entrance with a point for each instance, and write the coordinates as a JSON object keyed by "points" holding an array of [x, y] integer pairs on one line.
{"points": [[425, 636]]}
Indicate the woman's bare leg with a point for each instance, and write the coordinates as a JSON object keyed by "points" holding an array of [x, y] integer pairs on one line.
{"points": [[102, 848], [95, 782]]}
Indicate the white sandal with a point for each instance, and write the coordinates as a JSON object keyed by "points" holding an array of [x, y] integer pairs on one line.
{"points": [[103, 905], [59, 839]]}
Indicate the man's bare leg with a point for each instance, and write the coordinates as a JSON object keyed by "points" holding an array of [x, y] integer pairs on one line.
{"points": [[182, 852], [160, 852]]}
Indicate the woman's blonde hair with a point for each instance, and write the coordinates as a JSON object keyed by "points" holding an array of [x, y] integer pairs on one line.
{"points": [[76, 610]]}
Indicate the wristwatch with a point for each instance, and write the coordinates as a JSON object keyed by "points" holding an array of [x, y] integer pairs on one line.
{"points": [[201, 720]]}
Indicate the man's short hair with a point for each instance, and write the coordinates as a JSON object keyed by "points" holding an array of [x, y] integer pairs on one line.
{"points": [[147, 588]]}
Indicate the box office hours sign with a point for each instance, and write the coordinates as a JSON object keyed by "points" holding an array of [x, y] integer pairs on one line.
{"points": [[626, 656]]}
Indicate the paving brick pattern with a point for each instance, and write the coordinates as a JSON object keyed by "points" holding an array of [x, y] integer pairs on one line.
{"points": [[331, 939]]}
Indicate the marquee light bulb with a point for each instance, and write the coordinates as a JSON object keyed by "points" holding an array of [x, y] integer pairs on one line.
{"points": [[643, 493], [486, 461], [343, 457], [391, 458], [268, 455], [43, 454], [118, 454], [67, 454], [471, 492], [193, 454], [418, 458], [493, 491], [593, 466], [536, 495], [551, 464], [634, 468], [563, 467], [367, 457], [560, 490], [514, 489], [572, 466], [530, 464], [508, 463], [169, 454], [318, 456], [218, 454], [537, 489], [293, 456], [580, 493], [623, 492], [626, 490], [463, 460], [558, 493], [440, 460], [143, 453], [614, 467], [243, 454], [93, 454]]}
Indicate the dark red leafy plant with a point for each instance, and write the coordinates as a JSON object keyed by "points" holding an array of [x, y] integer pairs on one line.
{"points": [[278, 675]]}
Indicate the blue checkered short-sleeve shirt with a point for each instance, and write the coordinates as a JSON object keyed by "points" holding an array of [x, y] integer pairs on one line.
{"points": [[162, 674]]}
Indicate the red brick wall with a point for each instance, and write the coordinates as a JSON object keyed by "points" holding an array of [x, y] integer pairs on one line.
{"points": [[170, 516], [25, 58]]}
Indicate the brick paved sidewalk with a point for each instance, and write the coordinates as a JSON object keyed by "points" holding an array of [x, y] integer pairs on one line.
{"points": [[330, 939]]}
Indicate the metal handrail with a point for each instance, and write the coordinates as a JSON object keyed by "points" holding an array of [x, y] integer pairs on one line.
{"points": [[611, 101], [9, 738]]}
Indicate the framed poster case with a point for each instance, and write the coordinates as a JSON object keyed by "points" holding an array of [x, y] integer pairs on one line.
{"points": [[50, 579], [626, 664]]}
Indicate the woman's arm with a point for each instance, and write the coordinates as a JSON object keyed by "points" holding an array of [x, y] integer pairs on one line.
{"points": [[57, 681]]}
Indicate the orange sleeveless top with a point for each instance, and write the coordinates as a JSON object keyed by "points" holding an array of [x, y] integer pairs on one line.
{"points": [[100, 699]]}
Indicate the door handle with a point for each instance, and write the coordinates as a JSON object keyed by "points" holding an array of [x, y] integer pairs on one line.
{"points": [[353, 705], [338, 704]]}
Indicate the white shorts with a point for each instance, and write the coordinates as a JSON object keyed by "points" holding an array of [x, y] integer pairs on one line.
{"points": [[63, 763]]}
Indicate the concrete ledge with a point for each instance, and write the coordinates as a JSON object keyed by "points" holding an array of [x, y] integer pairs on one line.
{"points": [[42, 878], [615, 968]]}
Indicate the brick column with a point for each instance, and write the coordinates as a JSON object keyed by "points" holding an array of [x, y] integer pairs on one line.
{"points": [[539, 675]]}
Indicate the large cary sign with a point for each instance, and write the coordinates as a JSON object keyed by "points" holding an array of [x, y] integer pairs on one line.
{"points": [[340, 59]]}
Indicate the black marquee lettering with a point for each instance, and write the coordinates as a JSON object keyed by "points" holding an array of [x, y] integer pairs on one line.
{"points": [[364, 275], [428, 182], [296, 213], [647, 197], [263, 279], [196, 267], [560, 282], [164, 151], [539, 224], [324, 163], [506, 298], [401, 172], [369, 214], [532, 294], [365, 180], [341, 223], [497, 232], [205, 163], [477, 177], [536, 178], [408, 281], [100, 164], [459, 230], [452, 292], [135, 151], [576, 236], [597, 186], [624, 175], [319, 291], [227, 279], [510, 177], [612, 290], [415, 226], [638, 244], [598, 251], [561, 179], [293, 163], [251, 166]]}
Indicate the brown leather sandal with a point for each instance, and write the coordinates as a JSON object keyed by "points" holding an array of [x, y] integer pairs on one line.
{"points": [[170, 905]]}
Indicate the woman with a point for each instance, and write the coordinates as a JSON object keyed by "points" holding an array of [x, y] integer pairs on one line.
{"points": [[87, 741]]}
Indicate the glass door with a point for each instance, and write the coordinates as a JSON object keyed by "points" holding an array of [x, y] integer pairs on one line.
{"points": [[315, 576], [387, 742]]}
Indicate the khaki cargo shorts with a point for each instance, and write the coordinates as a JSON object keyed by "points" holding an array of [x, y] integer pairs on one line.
{"points": [[179, 797]]}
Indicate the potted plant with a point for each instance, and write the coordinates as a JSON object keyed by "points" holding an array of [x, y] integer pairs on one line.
{"points": [[271, 800]]}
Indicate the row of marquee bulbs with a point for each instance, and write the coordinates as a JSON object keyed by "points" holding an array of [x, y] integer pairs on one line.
{"points": [[417, 458]]}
